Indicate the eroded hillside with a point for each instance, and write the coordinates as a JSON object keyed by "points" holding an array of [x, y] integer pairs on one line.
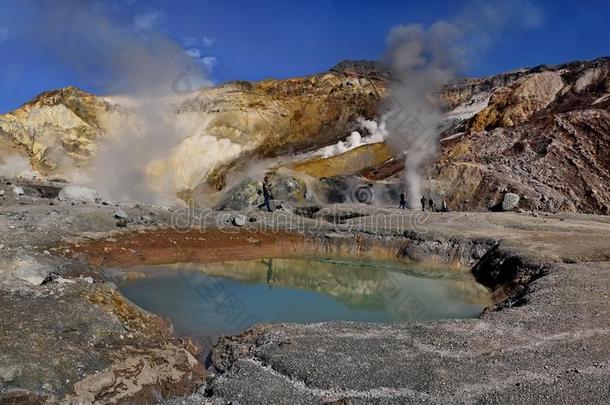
{"points": [[543, 133]]}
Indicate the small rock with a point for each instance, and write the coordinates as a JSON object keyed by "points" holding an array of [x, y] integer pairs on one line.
{"points": [[9, 373], [121, 223], [510, 201], [51, 277], [18, 190], [2, 192], [239, 220], [88, 280], [61, 280], [120, 214]]}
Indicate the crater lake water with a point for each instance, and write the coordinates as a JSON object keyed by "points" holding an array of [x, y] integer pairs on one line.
{"points": [[208, 300]]}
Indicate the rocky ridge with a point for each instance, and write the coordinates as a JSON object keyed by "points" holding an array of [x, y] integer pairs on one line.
{"points": [[541, 133]]}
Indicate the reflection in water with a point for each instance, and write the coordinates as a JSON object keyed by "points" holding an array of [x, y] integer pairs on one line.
{"points": [[223, 298]]}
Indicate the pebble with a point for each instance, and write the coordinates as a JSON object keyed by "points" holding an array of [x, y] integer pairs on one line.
{"points": [[18, 190], [120, 214]]}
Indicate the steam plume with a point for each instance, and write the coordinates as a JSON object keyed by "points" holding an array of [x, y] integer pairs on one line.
{"points": [[422, 60], [122, 55]]}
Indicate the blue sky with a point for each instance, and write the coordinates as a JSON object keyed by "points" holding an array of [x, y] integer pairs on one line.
{"points": [[253, 40]]}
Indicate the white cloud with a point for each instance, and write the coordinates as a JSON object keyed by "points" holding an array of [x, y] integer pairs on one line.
{"points": [[3, 34], [189, 41], [146, 21], [208, 61], [193, 53], [207, 41]]}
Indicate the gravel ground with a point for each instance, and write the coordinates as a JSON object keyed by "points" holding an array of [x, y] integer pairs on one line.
{"points": [[68, 335]]}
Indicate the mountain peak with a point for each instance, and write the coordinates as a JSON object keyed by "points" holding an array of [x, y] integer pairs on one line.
{"points": [[362, 68]]}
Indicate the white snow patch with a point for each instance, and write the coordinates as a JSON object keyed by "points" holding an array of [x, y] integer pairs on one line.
{"points": [[468, 109]]}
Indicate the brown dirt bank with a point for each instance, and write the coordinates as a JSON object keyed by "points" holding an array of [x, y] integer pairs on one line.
{"points": [[171, 245]]}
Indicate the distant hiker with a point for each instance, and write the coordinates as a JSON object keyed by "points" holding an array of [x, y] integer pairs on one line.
{"points": [[444, 207], [431, 204], [403, 200], [423, 203], [266, 195]]}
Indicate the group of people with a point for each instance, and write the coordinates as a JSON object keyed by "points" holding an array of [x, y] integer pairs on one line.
{"points": [[430, 207]]}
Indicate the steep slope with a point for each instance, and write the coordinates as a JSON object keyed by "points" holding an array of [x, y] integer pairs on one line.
{"points": [[60, 130], [542, 133], [57, 128]]}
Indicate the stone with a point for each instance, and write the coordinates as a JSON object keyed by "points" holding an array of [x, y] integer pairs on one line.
{"points": [[239, 220], [18, 190], [510, 201], [2, 192], [9, 373], [120, 214], [26, 269], [248, 193], [61, 280], [78, 194]]}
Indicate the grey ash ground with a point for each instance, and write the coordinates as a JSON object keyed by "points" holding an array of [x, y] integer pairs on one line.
{"points": [[74, 338]]}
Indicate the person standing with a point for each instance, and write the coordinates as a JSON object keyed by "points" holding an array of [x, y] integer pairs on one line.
{"points": [[266, 195], [431, 204], [403, 200], [423, 203], [444, 206]]}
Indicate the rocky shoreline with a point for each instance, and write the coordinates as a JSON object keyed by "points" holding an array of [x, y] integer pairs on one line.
{"points": [[69, 336]]}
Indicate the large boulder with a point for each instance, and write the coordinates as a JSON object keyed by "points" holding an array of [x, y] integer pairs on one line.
{"points": [[24, 269], [243, 195], [248, 193], [289, 189], [78, 193]]}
